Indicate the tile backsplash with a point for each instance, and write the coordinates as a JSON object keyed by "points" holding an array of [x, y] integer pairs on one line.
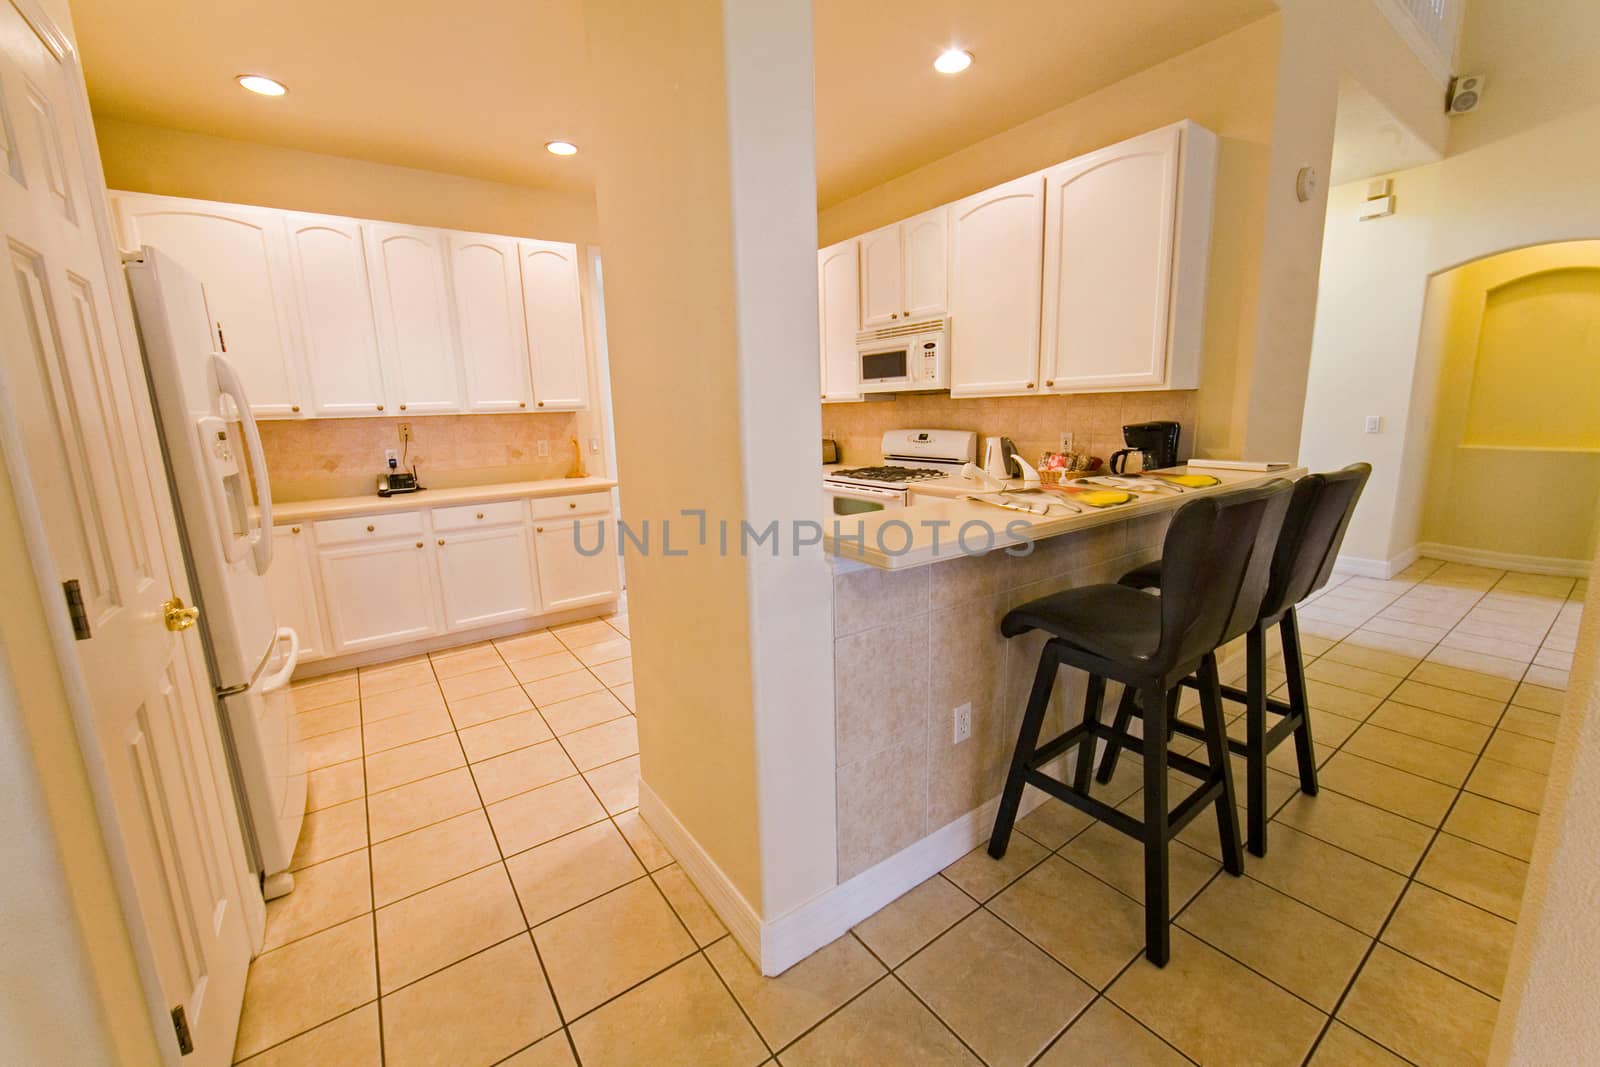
{"points": [[1035, 423], [312, 459]]}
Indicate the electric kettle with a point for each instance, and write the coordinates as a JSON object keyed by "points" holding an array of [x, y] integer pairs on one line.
{"points": [[997, 453]]}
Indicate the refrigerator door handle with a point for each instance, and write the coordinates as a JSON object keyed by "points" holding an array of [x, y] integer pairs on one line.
{"points": [[280, 678], [260, 539]]}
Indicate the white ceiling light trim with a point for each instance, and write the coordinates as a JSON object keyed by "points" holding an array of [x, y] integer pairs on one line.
{"points": [[262, 85], [952, 61], [561, 148]]}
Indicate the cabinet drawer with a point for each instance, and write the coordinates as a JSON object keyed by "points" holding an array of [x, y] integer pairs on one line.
{"points": [[369, 527], [554, 507], [467, 516]]}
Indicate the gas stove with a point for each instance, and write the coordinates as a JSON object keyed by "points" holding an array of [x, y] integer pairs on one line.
{"points": [[910, 456], [888, 476]]}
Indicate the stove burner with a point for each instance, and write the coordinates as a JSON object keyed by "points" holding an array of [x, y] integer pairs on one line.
{"points": [[891, 474]]}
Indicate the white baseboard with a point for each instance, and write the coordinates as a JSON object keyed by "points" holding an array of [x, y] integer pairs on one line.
{"points": [[1508, 561], [777, 945], [1384, 569]]}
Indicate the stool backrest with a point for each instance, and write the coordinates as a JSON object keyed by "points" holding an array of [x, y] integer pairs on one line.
{"points": [[1215, 565], [1313, 529]]}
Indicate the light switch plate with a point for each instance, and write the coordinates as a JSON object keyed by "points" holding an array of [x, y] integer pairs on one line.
{"points": [[542, 449], [1374, 424]]}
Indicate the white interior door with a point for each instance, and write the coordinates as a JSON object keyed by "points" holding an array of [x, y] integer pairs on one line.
{"points": [[80, 441], [554, 309]]}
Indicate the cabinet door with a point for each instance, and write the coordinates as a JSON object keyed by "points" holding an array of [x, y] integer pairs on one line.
{"points": [[292, 588], [553, 306], [239, 255], [996, 256], [1109, 223], [927, 268], [411, 295], [379, 593], [881, 278], [486, 576], [839, 309], [567, 577], [334, 299], [488, 304]]}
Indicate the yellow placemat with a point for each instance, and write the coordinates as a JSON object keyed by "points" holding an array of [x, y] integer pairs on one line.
{"points": [[1191, 481]]}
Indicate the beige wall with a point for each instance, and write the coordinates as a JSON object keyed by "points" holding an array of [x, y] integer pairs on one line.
{"points": [[1034, 423], [152, 159], [1228, 87], [1550, 491]]}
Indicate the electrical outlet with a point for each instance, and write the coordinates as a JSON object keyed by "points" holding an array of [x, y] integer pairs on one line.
{"points": [[405, 432], [963, 723], [392, 456], [594, 445], [1065, 440], [1374, 424], [542, 449]]}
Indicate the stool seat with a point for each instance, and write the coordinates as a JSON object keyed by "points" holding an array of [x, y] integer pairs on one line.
{"points": [[1126, 623], [1146, 577]]}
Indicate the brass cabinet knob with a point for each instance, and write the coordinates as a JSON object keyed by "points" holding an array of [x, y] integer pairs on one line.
{"points": [[522, 403], [441, 540], [380, 407], [538, 529], [1030, 385], [419, 544], [480, 514], [294, 407], [541, 403], [370, 528], [294, 529], [1049, 383], [892, 315], [907, 314], [572, 503]]}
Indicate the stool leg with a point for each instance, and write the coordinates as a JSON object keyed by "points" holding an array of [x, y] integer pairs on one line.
{"points": [[1091, 714], [1294, 665], [1157, 914], [1255, 714], [1217, 755], [1044, 680], [1108, 762]]}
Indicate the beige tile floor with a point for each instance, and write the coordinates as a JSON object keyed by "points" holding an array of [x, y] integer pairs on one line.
{"points": [[475, 885]]}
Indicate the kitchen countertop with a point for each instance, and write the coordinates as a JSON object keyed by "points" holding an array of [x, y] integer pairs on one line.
{"points": [[938, 512], [337, 507]]}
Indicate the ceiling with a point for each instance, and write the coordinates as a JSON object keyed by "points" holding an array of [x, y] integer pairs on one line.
{"points": [[1368, 140], [476, 87]]}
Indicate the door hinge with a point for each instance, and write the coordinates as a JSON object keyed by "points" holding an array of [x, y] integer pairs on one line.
{"points": [[180, 1023], [75, 610]]}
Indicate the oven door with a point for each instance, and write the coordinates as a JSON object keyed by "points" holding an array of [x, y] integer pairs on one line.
{"points": [[862, 499], [886, 366]]}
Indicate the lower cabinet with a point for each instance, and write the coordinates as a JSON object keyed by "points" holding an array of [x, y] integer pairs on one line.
{"points": [[568, 578], [486, 576], [400, 576], [292, 587], [379, 592]]}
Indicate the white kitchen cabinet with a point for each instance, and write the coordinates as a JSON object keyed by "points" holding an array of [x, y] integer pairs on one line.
{"points": [[333, 296], [1124, 267], [553, 307], [996, 261], [839, 292], [411, 294], [379, 592], [904, 271], [485, 282], [486, 575], [239, 254], [293, 589], [567, 577]]}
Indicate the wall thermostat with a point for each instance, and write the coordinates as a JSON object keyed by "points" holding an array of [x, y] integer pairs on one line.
{"points": [[1305, 183]]}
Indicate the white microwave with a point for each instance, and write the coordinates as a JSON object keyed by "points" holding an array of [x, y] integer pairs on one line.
{"points": [[905, 358]]}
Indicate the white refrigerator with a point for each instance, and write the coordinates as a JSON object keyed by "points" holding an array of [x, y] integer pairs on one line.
{"points": [[219, 478]]}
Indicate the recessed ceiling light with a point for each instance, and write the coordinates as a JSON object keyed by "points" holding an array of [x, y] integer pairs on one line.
{"points": [[260, 83], [952, 61], [561, 148]]}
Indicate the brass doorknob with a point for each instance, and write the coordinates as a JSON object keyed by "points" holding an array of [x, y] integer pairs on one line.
{"points": [[177, 617]]}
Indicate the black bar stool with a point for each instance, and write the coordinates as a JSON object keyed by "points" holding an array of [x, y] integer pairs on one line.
{"points": [[1217, 551], [1313, 529]]}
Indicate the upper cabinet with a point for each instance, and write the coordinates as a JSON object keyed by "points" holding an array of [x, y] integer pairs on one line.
{"points": [[995, 262], [494, 340], [411, 291], [553, 306], [239, 253], [1124, 267], [903, 271], [334, 317], [333, 297], [839, 318]]}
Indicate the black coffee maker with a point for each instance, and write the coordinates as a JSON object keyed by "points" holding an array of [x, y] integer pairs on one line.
{"points": [[1155, 442]]}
